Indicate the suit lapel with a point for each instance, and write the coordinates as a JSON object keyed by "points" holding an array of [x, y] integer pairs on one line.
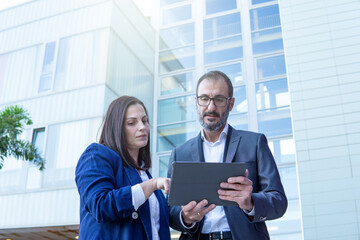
{"points": [[233, 144], [197, 150]]}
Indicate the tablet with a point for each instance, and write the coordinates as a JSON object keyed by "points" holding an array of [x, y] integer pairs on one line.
{"points": [[199, 180]]}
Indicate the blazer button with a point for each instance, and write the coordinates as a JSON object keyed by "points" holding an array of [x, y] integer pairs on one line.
{"points": [[134, 215]]}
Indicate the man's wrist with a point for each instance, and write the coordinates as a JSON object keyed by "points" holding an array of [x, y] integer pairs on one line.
{"points": [[187, 226]]}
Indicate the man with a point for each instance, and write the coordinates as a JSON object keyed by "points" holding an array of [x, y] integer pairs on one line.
{"points": [[259, 195]]}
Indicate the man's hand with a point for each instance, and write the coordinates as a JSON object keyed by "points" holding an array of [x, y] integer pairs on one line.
{"points": [[239, 190], [194, 212]]}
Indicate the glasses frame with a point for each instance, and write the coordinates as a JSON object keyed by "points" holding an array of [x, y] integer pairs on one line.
{"points": [[213, 99]]}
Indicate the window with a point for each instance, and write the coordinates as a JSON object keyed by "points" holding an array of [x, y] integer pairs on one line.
{"points": [[233, 71], [215, 6], [3, 69], [81, 60], [265, 17], [168, 2], [34, 176], [177, 59], [47, 68], [272, 94], [178, 83], [261, 1], [223, 50], [177, 36], [222, 26], [176, 110], [176, 14], [163, 165], [271, 66], [170, 136], [222, 36], [267, 41], [177, 49]]}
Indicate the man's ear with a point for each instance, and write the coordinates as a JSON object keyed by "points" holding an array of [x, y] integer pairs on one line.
{"points": [[232, 102]]}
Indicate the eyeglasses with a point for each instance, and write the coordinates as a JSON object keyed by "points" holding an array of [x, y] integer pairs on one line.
{"points": [[219, 101]]}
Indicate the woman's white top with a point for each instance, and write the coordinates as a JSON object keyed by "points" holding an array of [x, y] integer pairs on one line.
{"points": [[138, 199]]}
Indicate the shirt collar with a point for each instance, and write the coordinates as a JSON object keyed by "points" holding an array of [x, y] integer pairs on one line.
{"points": [[223, 134]]}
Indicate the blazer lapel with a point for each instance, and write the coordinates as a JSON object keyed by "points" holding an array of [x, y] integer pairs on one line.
{"points": [[144, 210], [197, 150], [233, 144]]}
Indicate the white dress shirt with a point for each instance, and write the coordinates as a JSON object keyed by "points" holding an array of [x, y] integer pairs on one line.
{"points": [[215, 220], [138, 199]]}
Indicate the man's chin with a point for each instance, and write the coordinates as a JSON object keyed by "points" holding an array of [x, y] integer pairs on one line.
{"points": [[211, 126]]}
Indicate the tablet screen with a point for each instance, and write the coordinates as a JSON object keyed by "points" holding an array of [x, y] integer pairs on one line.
{"points": [[198, 180]]}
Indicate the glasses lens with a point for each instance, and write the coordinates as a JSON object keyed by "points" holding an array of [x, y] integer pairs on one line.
{"points": [[220, 101], [203, 101]]}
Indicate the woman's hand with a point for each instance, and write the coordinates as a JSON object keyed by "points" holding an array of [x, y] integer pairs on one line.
{"points": [[161, 183], [154, 184]]}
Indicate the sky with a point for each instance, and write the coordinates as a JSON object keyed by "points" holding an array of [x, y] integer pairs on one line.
{"points": [[10, 3]]}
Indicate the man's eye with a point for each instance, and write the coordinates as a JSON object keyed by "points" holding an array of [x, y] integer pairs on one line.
{"points": [[220, 99], [204, 98]]}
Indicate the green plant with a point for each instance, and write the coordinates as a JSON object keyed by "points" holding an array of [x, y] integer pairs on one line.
{"points": [[12, 121]]}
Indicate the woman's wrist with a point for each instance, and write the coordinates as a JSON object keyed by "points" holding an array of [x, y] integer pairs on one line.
{"points": [[154, 184]]}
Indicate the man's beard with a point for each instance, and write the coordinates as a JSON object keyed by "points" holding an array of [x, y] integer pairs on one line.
{"points": [[216, 125]]}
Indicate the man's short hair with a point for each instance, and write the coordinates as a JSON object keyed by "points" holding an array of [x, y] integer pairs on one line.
{"points": [[216, 75]]}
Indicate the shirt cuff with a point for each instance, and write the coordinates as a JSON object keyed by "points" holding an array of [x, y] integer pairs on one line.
{"points": [[182, 223], [138, 196], [251, 213]]}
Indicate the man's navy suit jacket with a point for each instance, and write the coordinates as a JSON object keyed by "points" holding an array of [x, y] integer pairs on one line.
{"points": [[268, 193]]}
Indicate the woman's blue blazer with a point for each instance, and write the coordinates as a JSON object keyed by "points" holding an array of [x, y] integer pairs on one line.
{"points": [[106, 209]]}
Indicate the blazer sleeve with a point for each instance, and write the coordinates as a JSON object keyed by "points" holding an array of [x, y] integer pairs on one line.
{"points": [[270, 200], [96, 182]]}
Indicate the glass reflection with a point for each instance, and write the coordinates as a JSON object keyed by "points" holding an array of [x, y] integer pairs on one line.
{"points": [[238, 121], [261, 1], [288, 227], [176, 109], [290, 185], [233, 71], [163, 165], [177, 36], [275, 122], [223, 50], [215, 6], [267, 41], [177, 83], [272, 66], [176, 59], [241, 104], [168, 2], [283, 150], [222, 26], [272, 94], [171, 136], [176, 14], [265, 17]]}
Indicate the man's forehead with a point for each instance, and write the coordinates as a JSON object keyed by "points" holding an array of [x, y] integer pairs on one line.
{"points": [[208, 84]]}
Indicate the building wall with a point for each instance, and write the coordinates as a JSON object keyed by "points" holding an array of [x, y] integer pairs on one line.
{"points": [[65, 62], [322, 49]]}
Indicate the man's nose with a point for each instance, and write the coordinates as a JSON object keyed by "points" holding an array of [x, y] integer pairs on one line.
{"points": [[211, 105]]}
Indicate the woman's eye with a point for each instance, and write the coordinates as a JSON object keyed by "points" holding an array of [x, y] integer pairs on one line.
{"points": [[131, 123]]}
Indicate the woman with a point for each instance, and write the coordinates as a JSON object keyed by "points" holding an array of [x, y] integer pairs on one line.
{"points": [[118, 197]]}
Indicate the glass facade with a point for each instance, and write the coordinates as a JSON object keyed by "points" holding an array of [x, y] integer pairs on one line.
{"points": [[212, 37]]}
